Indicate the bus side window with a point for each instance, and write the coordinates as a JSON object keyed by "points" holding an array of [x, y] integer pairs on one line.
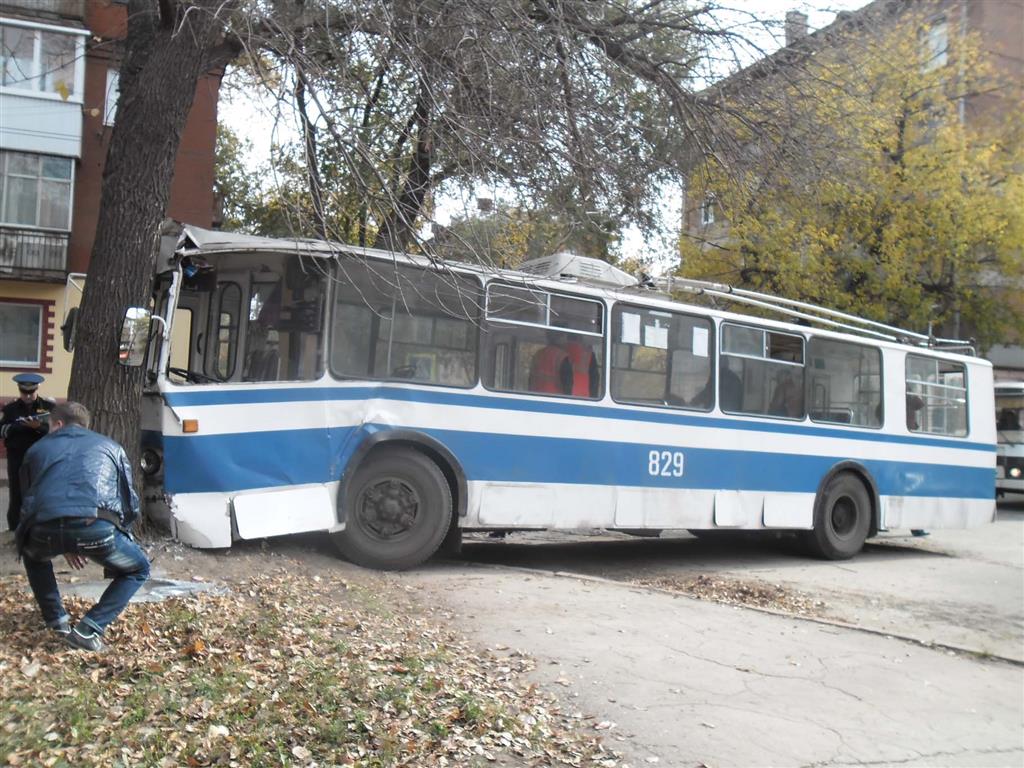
{"points": [[770, 367], [543, 343], [405, 323], [936, 396], [845, 383], [661, 358]]}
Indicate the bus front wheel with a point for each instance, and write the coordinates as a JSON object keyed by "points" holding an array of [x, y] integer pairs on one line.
{"points": [[398, 509], [842, 518]]}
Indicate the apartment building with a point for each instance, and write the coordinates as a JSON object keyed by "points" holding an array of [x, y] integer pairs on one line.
{"points": [[59, 65], [999, 27]]}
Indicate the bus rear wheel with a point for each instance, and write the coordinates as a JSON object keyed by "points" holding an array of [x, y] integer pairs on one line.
{"points": [[398, 508], [842, 518]]}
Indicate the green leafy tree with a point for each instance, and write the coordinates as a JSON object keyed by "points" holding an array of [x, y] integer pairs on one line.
{"points": [[238, 183], [507, 236]]}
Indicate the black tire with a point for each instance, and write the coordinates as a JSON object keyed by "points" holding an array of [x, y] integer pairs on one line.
{"points": [[842, 518], [398, 508], [712, 533], [643, 533]]}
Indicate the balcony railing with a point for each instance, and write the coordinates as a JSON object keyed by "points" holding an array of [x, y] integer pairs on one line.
{"points": [[73, 9], [28, 254]]}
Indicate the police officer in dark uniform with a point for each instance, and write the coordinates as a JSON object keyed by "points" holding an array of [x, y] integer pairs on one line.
{"points": [[24, 421]]}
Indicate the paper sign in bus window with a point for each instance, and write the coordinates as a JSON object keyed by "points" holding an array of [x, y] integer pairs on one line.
{"points": [[700, 342], [630, 328], [656, 336]]}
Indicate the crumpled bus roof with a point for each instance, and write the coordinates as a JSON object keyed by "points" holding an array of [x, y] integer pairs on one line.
{"points": [[198, 240]]}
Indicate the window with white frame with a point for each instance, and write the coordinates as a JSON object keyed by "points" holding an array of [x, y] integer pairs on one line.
{"points": [[936, 396], [35, 190], [543, 343], [39, 60], [936, 44], [113, 91], [21, 331], [761, 372], [707, 210]]}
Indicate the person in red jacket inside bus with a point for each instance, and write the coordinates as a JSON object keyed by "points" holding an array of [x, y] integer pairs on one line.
{"points": [[564, 367], [585, 373]]}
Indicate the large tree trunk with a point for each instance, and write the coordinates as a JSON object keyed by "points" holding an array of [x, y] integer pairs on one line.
{"points": [[167, 51]]}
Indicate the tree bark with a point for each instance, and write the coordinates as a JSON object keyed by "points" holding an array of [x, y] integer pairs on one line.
{"points": [[167, 50], [398, 229]]}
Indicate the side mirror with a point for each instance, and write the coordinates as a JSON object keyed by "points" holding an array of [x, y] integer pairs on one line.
{"points": [[134, 337], [68, 330]]}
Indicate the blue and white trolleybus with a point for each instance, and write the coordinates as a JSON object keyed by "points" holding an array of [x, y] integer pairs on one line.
{"points": [[396, 402]]}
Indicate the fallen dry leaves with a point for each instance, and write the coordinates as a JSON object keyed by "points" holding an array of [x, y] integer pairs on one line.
{"points": [[281, 670], [739, 592]]}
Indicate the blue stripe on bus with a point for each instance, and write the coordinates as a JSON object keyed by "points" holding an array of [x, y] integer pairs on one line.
{"points": [[234, 462], [551, 406]]}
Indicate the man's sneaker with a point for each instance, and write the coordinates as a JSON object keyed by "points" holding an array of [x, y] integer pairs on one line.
{"points": [[62, 630], [84, 639]]}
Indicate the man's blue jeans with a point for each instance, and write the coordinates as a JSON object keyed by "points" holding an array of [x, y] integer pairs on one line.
{"points": [[101, 542]]}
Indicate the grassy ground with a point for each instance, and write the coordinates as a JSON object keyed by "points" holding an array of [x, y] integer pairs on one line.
{"points": [[283, 669]]}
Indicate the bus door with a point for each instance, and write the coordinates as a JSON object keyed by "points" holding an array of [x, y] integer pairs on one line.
{"points": [[219, 339]]}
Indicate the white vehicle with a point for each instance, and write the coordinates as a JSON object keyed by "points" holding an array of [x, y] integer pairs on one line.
{"points": [[1009, 437], [395, 402]]}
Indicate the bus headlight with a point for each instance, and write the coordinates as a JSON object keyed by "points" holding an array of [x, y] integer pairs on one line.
{"points": [[1015, 473], [151, 462]]}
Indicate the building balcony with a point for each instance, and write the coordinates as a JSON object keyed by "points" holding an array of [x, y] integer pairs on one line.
{"points": [[68, 9], [31, 254]]}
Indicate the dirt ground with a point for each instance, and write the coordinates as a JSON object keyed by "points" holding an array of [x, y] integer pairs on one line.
{"points": [[648, 644]]}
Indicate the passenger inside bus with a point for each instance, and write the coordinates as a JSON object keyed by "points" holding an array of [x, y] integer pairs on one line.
{"points": [[788, 398], [730, 391], [565, 367], [551, 370], [914, 405]]}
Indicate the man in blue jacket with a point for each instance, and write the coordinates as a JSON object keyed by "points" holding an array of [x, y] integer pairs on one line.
{"points": [[78, 501]]}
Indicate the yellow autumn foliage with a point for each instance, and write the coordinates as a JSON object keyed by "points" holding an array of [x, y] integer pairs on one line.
{"points": [[906, 201]]}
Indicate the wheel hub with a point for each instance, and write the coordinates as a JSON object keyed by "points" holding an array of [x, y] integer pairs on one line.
{"points": [[844, 516], [388, 508]]}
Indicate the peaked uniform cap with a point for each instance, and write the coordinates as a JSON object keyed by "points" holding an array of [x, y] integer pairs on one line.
{"points": [[28, 381]]}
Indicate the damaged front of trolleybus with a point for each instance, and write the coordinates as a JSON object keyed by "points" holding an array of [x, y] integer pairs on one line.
{"points": [[232, 315]]}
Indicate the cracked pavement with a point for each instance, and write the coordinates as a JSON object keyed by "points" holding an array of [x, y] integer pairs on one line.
{"points": [[694, 683], [669, 680]]}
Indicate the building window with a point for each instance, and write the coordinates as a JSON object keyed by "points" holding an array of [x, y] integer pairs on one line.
{"points": [[39, 60], [936, 44], [113, 92], [35, 190], [21, 328], [707, 211]]}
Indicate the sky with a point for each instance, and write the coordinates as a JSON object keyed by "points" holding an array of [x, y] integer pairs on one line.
{"points": [[760, 20]]}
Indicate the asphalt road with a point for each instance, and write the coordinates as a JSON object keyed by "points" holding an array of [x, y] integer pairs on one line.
{"points": [[959, 588], [674, 681]]}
